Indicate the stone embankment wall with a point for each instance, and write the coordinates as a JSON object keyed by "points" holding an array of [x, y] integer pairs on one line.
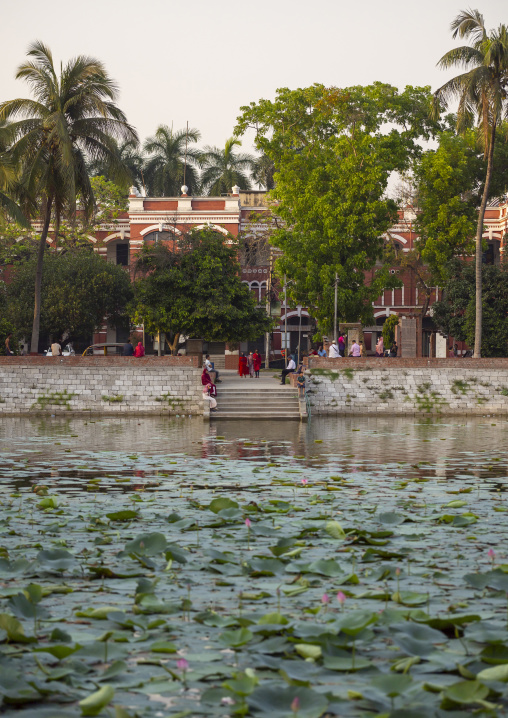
{"points": [[100, 384], [408, 386]]}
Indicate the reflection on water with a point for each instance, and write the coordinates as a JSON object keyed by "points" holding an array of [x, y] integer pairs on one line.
{"points": [[69, 451]]}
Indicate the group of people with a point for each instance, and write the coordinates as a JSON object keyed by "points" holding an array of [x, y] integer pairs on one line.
{"points": [[129, 351], [337, 349], [381, 351], [249, 365]]}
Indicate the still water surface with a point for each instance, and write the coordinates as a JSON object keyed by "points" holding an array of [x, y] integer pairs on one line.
{"points": [[68, 451]]}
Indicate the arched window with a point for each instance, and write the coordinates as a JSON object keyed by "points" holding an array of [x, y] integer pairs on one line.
{"points": [[156, 237]]}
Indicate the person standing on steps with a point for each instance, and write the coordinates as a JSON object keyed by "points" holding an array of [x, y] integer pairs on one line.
{"points": [[242, 365], [257, 363], [289, 370], [250, 365], [209, 368]]}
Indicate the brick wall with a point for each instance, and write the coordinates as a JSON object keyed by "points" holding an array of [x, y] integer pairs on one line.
{"points": [[408, 386], [116, 385]]}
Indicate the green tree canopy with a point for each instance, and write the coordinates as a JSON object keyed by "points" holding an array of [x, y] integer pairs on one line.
{"points": [[195, 289], [455, 313], [80, 291], [334, 150]]}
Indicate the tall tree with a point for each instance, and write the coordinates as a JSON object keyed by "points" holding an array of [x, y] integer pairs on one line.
{"points": [[482, 95], [170, 161], [225, 168], [263, 170], [71, 120], [196, 289], [129, 158], [334, 150], [9, 183]]}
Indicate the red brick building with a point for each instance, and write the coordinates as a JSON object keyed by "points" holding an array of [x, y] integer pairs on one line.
{"points": [[165, 218]]}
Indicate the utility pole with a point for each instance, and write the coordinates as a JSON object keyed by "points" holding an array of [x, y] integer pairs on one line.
{"points": [[285, 323], [335, 315], [268, 310]]}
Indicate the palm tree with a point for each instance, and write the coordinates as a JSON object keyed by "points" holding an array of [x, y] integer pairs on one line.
{"points": [[129, 158], [172, 161], [9, 180], [222, 169], [263, 170], [71, 120], [482, 95]]}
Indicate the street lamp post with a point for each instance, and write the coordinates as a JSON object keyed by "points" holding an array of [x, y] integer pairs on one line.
{"points": [[299, 308], [335, 304], [285, 323]]}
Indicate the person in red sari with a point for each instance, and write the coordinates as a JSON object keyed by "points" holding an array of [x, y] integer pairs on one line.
{"points": [[243, 369], [207, 382], [256, 357], [139, 351]]}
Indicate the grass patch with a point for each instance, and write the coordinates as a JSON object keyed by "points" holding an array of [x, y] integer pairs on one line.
{"points": [[114, 399]]}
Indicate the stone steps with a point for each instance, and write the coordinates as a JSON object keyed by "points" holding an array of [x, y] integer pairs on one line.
{"points": [[252, 402]]}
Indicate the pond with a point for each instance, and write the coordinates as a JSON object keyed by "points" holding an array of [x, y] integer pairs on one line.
{"points": [[348, 567]]}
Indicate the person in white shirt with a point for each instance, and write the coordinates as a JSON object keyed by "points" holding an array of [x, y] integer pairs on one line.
{"points": [[289, 369], [56, 350], [333, 351]]}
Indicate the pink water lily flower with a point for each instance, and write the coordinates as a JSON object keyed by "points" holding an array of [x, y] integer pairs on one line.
{"points": [[304, 483], [248, 523], [182, 664], [325, 598], [341, 598], [295, 704], [491, 554]]}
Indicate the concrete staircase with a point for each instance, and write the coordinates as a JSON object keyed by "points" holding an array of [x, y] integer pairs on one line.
{"points": [[218, 360], [256, 402]]}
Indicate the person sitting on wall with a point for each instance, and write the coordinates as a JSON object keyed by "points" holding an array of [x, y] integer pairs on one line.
{"points": [[210, 367], [56, 349], [288, 370], [380, 349], [333, 351], [451, 353], [300, 382], [139, 351], [321, 351], [128, 349], [355, 349], [206, 381], [363, 351], [393, 350]]}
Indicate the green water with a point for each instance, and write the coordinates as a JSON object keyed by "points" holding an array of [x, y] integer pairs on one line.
{"points": [[128, 546]]}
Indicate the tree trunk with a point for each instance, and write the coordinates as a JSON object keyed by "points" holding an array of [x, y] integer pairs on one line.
{"points": [[479, 231], [173, 346], [34, 343]]}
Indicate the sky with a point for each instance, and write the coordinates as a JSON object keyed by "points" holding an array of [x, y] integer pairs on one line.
{"points": [[200, 61]]}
